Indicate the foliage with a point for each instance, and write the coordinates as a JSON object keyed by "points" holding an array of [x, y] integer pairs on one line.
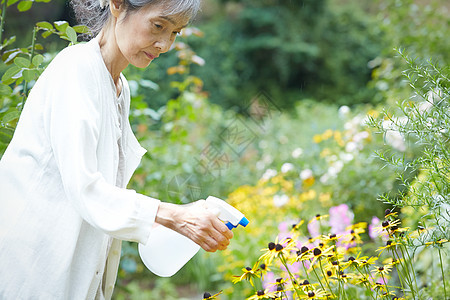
{"points": [[423, 204], [23, 67], [300, 48]]}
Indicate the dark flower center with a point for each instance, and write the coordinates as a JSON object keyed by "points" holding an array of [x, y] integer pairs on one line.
{"points": [[260, 293], [332, 236], [317, 251], [388, 243], [318, 216], [248, 269], [387, 211], [271, 245], [305, 282], [206, 295], [329, 273], [311, 294], [279, 247], [380, 269], [304, 249], [351, 258], [385, 224], [263, 266], [335, 263]]}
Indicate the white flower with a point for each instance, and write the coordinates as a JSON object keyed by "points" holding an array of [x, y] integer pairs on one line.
{"points": [[346, 156], [360, 136], [269, 173], [267, 159], [260, 165], [297, 152], [286, 167], [305, 174], [280, 200], [351, 147], [325, 177], [395, 139], [343, 111], [198, 60]]}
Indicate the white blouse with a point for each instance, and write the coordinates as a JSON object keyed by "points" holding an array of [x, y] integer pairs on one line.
{"points": [[63, 208]]}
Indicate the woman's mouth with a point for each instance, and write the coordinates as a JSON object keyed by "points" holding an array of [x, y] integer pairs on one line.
{"points": [[151, 57]]}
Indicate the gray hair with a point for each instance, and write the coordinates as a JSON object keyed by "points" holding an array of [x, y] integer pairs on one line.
{"points": [[91, 14]]}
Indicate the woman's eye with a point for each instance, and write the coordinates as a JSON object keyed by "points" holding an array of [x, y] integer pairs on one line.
{"points": [[158, 26], [176, 32]]}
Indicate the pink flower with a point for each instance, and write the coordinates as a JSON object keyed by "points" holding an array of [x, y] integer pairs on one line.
{"points": [[268, 282], [340, 218]]}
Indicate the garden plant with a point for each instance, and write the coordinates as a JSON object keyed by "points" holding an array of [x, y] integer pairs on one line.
{"points": [[343, 164]]}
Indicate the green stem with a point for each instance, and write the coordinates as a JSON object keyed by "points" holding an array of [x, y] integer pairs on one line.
{"points": [[318, 279], [400, 277], [3, 21], [366, 280], [325, 277], [442, 271], [412, 270], [385, 283], [283, 261], [306, 271], [408, 279]]}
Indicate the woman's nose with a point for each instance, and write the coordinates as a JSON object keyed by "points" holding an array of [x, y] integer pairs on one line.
{"points": [[163, 45]]}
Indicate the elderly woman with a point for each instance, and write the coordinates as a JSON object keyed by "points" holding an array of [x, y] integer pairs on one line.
{"points": [[64, 204]]}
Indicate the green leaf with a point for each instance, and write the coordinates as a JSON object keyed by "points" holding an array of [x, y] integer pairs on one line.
{"points": [[81, 29], [10, 73], [22, 62], [61, 25], [46, 34], [38, 47], [28, 74], [5, 89], [11, 2], [6, 135], [71, 34], [37, 60], [11, 116], [8, 42], [8, 56], [24, 5], [44, 25]]}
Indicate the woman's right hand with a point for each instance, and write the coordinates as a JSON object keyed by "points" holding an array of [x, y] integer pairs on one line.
{"points": [[196, 222]]}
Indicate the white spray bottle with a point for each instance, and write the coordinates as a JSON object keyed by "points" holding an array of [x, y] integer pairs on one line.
{"points": [[167, 251]]}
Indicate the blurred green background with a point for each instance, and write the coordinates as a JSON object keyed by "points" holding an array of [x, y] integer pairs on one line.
{"points": [[259, 89]]}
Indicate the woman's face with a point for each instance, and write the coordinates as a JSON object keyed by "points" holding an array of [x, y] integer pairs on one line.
{"points": [[144, 34]]}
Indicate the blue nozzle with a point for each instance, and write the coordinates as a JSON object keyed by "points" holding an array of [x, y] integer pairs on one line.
{"points": [[243, 222]]}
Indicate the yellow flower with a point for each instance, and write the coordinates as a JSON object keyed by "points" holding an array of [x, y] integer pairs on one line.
{"points": [[249, 274], [275, 250], [318, 217], [208, 296], [318, 253], [383, 270], [314, 294], [317, 138], [263, 294], [389, 244]]}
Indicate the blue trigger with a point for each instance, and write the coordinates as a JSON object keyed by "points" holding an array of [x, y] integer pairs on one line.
{"points": [[230, 226]]}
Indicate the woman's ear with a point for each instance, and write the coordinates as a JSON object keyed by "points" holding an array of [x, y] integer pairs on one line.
{"points": [[116, 7]]}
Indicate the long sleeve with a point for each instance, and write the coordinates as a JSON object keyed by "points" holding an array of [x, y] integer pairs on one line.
{"points": [[75, 125]]}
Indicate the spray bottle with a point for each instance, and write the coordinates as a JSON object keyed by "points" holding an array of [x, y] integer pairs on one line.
{"points": [[167, 251]]}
